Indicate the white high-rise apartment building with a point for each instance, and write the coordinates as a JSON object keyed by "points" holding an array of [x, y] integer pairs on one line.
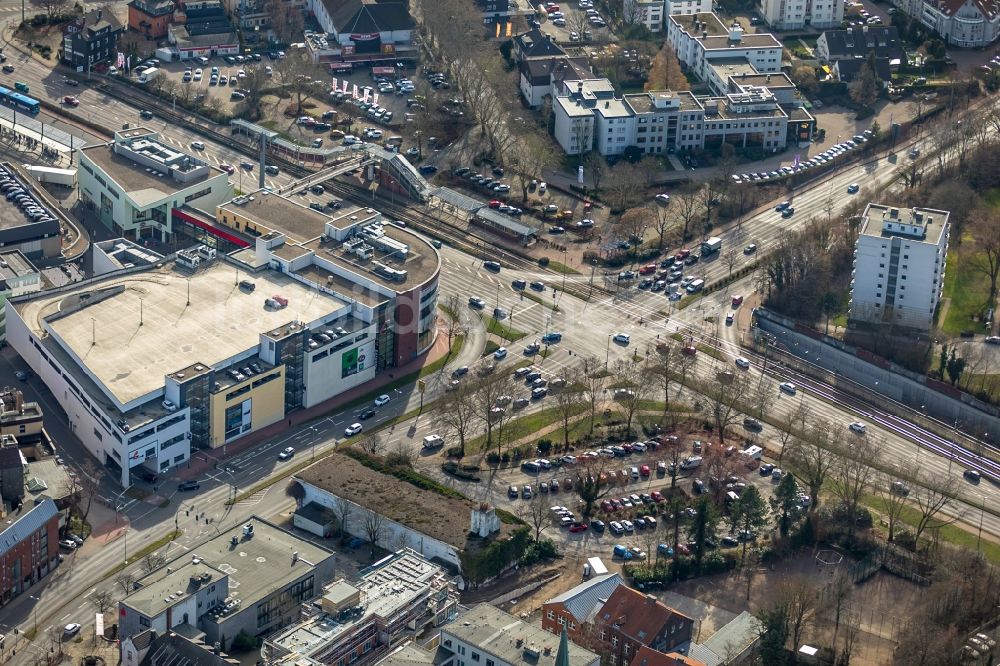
{"points": [[899, 266], [647, 12], [797, 14]]}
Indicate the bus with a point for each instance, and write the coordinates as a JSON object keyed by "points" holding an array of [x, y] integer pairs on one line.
{"points": [[21, 87], [19, 102]]}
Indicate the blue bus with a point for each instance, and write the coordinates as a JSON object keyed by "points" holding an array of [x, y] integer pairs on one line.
{"points": [[19, 102]]}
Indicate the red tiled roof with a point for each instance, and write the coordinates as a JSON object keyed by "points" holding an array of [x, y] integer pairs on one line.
{"points": [[647, 656], [637, 615]]}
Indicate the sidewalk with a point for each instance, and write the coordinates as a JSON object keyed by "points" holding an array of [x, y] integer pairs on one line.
{"points": [[203, 461]]}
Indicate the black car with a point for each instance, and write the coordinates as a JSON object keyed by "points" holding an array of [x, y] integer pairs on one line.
{"points": [[597, 525], [493, 266], [428, 169], [317, 189], [189, 485], [367, 414], [316, 206], [691, 260], [145, 114]]}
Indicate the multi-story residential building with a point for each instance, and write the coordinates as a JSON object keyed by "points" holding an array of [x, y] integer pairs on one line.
{"points": [[91, 39], [648, 13], [591, 117], [151, 17], [541, 77], [859, 43], [899, 264], [797, 14], [575, 608], [965, 23], [666, 121], [395, 600], [487, 636], [677, 7], [751, 118], [534, 44], [575, 119], [251, 578], [29, 549], [341, 299], [630, 619], [700, 39], [135, 183]]}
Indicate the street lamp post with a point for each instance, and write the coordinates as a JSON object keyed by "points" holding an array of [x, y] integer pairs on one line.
{"points": [[607, 353], [37, 601]]}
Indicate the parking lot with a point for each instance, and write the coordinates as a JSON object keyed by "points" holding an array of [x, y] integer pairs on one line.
{"points": [[579, 24], [638, 480]]}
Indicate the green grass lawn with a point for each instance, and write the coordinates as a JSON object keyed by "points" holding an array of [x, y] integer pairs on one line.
{"points": [[504, 331], [966, 290], [950, 533], [541, 300], [560, 267]]}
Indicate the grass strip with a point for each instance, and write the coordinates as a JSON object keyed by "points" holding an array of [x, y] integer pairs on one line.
{"points": [[541, 300], [954, 534], [151, 547], [562, 268], [504, 331]]}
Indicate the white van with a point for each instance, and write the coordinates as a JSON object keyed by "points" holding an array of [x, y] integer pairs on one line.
{"points": [[752, 453], [433, 441], [695, 286], [350, 140], [691, 462]]}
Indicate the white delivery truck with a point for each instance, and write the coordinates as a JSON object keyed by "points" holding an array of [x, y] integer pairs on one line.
{"points": [[594, 567], [148, 75], [711, 246]]}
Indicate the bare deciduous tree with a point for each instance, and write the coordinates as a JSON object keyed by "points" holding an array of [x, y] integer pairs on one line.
{"points": [[454, 320], [342, 511], [103, 599], [536, 514], [724, 393], [631, 388], [593, 377], [374, 526], [813, 455], [153, 561], [854, 471], [569, 400], [457, 414], [371, 443], [933, 495], [125, 580]]}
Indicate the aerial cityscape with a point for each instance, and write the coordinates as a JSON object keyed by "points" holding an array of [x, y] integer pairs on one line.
{"points": [[492, 333]]}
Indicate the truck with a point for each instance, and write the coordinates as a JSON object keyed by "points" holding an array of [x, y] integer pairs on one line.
{"points": [[711, 246], [594, 567], [43, 174], [148, 75]]}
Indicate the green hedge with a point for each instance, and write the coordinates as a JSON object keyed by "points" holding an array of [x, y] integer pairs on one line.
{"points": [[482, 565]]}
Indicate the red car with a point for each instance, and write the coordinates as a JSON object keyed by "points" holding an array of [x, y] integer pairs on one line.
{"points": [[606, 506], [69, 100], [683, 549], [657, 496], [228, 168], [578, 527], [682, 255], [644, 470], [495, 204], [647, 269], [737, 301]]}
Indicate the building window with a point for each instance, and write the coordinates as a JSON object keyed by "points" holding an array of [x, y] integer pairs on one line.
{"points": [[97, 434], [551, 615], [614, 641]]}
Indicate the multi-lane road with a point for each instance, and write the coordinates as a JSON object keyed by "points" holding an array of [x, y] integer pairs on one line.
{"points": [[586, 325]]}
